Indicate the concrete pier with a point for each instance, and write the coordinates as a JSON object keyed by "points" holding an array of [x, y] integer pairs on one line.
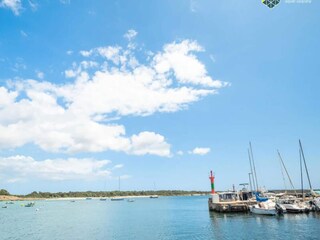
{"points": [[233, 206]]}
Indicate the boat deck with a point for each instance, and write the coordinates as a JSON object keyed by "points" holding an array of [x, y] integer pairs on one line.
{"points": [[232, 206]]}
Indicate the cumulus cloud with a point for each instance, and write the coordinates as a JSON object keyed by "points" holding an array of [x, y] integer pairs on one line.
{"points": [[14, 5], [20, 168], [111, 82], [187, 68], [200, 151], [149, 143]]}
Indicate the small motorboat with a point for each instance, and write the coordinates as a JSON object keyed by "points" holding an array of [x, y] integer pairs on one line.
{"points": [[292, 205], [30, 204], [117, 199], [154, 196], [130, 200], [5, 206], [103, 199]]}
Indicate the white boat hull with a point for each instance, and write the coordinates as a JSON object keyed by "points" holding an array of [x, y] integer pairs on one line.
{"points": [[316, 203], [262, 211], [292, 208]]}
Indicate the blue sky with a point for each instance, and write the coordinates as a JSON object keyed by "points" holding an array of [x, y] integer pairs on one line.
{"points": [[157, 92]]}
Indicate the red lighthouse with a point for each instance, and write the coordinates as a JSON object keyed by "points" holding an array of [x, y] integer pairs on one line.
{"points": [[212, 182]]}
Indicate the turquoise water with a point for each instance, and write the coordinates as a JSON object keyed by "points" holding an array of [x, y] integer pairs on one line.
{"points": [[165, 218]]}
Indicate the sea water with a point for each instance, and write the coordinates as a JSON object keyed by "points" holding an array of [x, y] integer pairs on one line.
{"points": [[165, 218]]}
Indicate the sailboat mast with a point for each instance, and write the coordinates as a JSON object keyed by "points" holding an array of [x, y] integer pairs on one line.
{"points": [[284, 166], [253, 182], [250, 181], [254, 167], [284, 180], [305, 165], [301, 172]]}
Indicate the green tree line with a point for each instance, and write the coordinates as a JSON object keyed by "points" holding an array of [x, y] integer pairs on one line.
{"points": [[111, 193]]}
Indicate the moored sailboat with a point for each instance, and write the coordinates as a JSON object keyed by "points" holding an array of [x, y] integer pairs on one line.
{"points": [[118, 198], [264, 205]]}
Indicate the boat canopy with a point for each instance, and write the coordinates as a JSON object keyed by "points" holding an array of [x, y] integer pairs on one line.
{"points": [[261, 199]]}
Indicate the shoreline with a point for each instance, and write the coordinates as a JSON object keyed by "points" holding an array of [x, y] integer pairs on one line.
{"points": [[16, 198]]}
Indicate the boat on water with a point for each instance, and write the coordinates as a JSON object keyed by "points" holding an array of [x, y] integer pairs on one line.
{"points": [[117, 199], [228, 196], [154, 196], [30, 204], [316, 204], [4, 206], [265, 208], [130, 200], [103, 199], [89, 198], [9, 202], [293, 205]]}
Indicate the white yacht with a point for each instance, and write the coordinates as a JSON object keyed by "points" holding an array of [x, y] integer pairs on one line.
{"points": [[264, 208]]}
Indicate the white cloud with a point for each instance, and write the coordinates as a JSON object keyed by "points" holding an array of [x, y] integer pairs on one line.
{"points": [[180, 153], [85, 53], [131, 34], [118, 166], [19, 65], [212, 58], [69, 52], [200, 151], [15, 180], [193, 5], [149, 143], [40, 74], [34, 6], [20, 168], [80, 116], [187, 68], [14, 5]]}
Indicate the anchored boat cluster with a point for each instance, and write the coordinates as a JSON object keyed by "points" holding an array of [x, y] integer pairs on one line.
{"points": [[265, 203], [262, 202]]}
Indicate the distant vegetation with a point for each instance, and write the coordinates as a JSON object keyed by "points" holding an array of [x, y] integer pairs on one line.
{"points": [[4, 192], [111, 194]]}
